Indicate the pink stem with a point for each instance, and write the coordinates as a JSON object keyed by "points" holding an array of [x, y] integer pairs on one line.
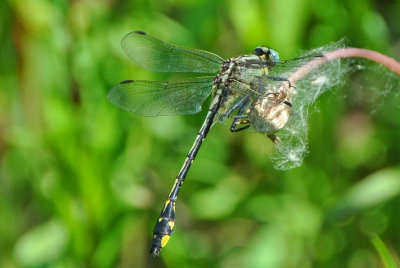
{"points": [[346, 53]]}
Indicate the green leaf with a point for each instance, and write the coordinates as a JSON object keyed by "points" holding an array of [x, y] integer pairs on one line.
{"points": [[41, 245], [383, 252]]}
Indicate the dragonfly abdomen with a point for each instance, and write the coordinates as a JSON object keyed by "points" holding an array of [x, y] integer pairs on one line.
{"points": [[166, 223]]}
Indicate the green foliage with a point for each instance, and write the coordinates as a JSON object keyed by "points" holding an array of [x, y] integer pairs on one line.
{"points": [[383, 251], [82, 182]]}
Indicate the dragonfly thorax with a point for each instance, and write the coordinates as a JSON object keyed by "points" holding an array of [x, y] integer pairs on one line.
{"points": [[247, 67], [243, 69], [241, 77]]}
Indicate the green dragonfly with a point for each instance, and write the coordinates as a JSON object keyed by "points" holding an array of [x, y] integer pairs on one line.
{"points": [[239, 85]]}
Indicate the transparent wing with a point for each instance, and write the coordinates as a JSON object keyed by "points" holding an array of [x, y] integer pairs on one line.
{"points": [[151, 98], [159, 56], [285, 67]]}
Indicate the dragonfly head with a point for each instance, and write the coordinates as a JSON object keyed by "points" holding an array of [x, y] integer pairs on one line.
{"points": [[267, 54]]}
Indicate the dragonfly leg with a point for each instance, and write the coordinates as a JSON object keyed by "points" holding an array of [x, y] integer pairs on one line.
{"points": [[240, 120], [234, 129], [280, 78], [240, 105], [165, 224], [241, 117]]}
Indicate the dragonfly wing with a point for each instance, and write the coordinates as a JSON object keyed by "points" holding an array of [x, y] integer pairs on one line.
{"points": [[159, 56], [152, 98], [288, 66]]}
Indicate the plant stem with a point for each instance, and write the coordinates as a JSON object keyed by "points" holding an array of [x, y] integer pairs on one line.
{"points": [[346, 53]]}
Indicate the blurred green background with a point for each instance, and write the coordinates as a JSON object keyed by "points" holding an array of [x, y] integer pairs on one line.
{"points": [[82, 182]]}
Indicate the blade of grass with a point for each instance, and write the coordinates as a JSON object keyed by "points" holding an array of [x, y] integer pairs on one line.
{"points": [[383, 251]]}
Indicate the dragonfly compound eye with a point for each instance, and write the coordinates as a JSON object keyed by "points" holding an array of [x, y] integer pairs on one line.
{"points": [[258, 51], [272, 55]]}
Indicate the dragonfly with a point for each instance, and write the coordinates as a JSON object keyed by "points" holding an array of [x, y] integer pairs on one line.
{"points": [[240, 89]]}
